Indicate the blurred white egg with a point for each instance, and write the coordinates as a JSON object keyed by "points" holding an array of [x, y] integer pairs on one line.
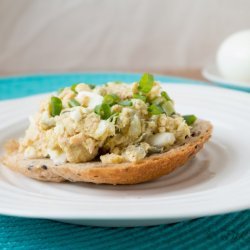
{"points": [[233, 57]]}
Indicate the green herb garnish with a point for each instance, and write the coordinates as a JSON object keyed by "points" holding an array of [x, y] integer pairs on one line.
{"points": [[190, 119], [155, 109], [103, 110], [158, 100], [111, 99], [165, 95], [168, 108], [73, 87], [73, 103], [55, 106], [146, 83], [141, 97], [126, 103]]}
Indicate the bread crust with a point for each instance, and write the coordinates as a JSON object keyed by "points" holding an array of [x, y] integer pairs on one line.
{"points": [[147, 169]]}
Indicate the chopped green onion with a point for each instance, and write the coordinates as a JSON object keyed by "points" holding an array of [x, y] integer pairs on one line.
{"points": [[155, 109], [111, 99], [73, 103], [98, 109], [73, 87], [146, 83], [165, 95], [125, 103], [103, 110], [158, 100], [141, 97], [190, 119], [117, 82], [168, 108], [55, 106]]}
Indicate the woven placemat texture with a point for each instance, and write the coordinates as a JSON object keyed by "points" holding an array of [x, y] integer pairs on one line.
{"points": [[230, 231]]}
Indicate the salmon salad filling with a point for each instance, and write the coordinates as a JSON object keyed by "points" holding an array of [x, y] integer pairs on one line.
{"points": [[114, 123]]}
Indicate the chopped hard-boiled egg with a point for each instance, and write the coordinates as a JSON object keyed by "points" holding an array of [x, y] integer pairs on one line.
{"points": [[161, 139], [30, 153], [76, 114], [104, 129], [57, 157], [90, 99]]}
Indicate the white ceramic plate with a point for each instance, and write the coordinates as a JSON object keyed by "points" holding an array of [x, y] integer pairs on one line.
{"points": [[212, 74], [216, 181]]}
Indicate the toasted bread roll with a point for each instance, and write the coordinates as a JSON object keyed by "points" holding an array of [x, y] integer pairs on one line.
{"points": [[150, 168]]}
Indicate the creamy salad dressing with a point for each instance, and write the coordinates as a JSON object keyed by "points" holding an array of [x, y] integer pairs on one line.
{"points": [[114, 123]]}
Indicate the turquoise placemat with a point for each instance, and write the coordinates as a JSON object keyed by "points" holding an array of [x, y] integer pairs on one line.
{"points": [[230, 231]]}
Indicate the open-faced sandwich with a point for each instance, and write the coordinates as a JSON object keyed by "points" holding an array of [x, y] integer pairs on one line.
{"points": [[117, 133]]}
